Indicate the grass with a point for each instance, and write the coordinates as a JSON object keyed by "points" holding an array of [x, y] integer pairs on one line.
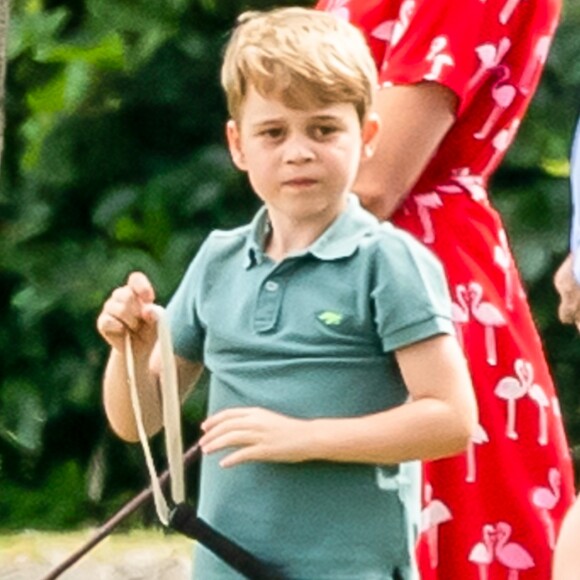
{"points": [[151, 555]]}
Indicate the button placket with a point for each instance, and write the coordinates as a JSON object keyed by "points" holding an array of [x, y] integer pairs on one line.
{"points": [[268, 305]]}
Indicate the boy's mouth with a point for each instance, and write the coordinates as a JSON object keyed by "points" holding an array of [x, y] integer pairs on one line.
{"points": [[300, 182]]}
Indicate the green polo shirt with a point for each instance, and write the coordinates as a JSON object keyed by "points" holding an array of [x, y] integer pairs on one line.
{"points": [[311, 336]]}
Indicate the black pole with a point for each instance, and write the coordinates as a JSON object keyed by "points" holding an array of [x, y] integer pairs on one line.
{"points": [[184, 519], [188, 457]]}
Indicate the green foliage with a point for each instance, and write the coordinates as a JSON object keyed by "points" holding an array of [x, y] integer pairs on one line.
{"points": [[57, 502], [115, 161]]}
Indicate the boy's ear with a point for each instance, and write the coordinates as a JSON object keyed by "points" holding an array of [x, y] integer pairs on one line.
{"points": [[235, 145], [370, 134]]}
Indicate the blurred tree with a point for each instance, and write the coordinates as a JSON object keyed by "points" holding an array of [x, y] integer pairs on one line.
{"points": [[4, 18]]}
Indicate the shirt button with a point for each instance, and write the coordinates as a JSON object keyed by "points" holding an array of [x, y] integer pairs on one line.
{"points": [[271, 286]]}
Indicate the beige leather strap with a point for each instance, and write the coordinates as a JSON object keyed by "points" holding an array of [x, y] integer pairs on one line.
{"points": [[171, 417]]}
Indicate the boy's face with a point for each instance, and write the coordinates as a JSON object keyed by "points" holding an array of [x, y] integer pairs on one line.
{"points": [[300, 162]]}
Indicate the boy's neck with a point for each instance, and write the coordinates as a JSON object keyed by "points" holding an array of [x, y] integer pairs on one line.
{"points": [[288, 236]]}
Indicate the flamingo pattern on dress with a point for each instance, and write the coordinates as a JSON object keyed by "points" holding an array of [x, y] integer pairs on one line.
{"points": [[490, 53], [434, 514], [480, 437], [546, 499], [497, 547]]}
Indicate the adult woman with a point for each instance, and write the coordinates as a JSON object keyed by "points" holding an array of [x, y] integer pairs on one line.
{"points": [[457, 77]]}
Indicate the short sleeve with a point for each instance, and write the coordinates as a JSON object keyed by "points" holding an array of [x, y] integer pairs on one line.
{"points": [[410, 293], [435, 40], [187, 330], [575, 190]]}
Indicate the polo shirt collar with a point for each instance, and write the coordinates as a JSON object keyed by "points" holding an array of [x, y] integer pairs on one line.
{"points": [[259, 230], [339, 240]]}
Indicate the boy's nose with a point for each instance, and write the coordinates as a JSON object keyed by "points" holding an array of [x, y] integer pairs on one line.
{"points": [[298, 150]]}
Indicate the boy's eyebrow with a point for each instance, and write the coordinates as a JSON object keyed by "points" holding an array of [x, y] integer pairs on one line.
{"points": [[274, 120], [327, 117], [268, 121]]}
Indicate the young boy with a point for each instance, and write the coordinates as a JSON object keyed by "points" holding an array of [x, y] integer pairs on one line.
{"points": [[327, 334]]}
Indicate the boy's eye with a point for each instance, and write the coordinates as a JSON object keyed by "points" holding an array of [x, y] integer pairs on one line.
{"points": [[321, 131], [272, 133]]}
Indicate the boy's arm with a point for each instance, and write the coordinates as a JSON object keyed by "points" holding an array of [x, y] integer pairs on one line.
{"points": [[117, 398], [438, 421], [129, 310]]}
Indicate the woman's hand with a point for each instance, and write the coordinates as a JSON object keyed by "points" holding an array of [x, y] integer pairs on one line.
{"points": [[569, 291], [256, 434]]}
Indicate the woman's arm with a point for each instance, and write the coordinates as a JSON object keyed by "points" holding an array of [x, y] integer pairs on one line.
{"points": [[567, 552], [414, 120]]}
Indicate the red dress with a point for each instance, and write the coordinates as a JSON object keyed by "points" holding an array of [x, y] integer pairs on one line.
{"points": [[493, 512]]}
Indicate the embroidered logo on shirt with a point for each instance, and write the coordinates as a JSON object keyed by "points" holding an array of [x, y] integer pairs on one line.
{"points": [[330, 318]]}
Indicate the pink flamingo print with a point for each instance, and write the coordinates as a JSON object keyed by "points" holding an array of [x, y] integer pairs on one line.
{"points": [[489, 56], [537, 394], [461, 181], [511, 555], [478, 438], [546, 498], [438, 57], [339, 8], [500, 143], [508, 10], [511, 389], [482, 553], [503, 96], [391, 31], [489, 316], [541, 51], [426, 202], [433, 515], [502, 258], [460, 311]]}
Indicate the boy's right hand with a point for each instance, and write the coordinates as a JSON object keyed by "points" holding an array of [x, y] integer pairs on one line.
{"points": [[129, 309]]}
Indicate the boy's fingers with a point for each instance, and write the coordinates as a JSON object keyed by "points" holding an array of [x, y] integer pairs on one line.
{"points": [[225, 415], [109, 325], [226, 431], [141, 286], [155, 360], [125, 310], [240, 456], [111, 329], [235, 438], [125, 307]]}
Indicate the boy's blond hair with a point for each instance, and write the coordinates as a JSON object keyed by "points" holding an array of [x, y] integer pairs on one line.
{"points": [[300, 55]]}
